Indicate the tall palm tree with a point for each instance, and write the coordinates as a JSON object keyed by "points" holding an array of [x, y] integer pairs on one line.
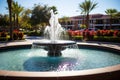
{"points": [[111, 13], [9, 2], [86, 7], [17, 9], [13, 13]]}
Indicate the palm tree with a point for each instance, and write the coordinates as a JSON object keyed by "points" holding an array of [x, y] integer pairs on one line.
{"points": [[26, 12], [25, 19], [14, 14], [86, 7], [112, 13], [10, 18], [117, 15], [17, 9], [4, 20]]}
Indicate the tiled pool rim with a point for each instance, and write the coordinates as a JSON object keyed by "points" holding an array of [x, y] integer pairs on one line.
{"points": [[107, 73]]}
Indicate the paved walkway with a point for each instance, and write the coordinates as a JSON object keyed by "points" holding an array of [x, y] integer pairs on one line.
{"points": [[106, 44], [28, 40]]}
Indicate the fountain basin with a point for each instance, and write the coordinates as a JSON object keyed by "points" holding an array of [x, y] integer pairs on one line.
{"points": [[106, 73]]}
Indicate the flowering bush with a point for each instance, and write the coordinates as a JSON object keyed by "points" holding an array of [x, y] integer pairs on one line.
{"points": [[116, 33], [105, 33], [75, 33], [3, 36], [90, 34], [17, 35]]}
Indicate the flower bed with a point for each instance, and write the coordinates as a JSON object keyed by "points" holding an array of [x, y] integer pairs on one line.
{"points": [[17, 35], [100, 35], [4, 36]]}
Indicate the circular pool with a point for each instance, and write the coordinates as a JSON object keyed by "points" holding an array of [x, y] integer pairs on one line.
{"points": [[27, 59], [89, 57]]}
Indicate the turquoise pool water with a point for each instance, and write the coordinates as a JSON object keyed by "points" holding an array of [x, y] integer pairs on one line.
{"points": [[36, 60]]}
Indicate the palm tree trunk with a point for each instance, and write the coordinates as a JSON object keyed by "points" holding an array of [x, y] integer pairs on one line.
{"points": [[17, 22], [87, 21], [10, 18], [83, 22], [14, 20]]}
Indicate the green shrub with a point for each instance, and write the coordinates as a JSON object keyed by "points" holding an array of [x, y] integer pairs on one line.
{"points": [[3, 39], [77, 37], [34, 33], [106, 39]]}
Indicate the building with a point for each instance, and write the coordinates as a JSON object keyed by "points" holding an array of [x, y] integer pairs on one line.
{"points": [[99, 21]]}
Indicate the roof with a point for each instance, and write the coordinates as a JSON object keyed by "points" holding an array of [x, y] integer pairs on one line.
{"points": [[93, 16]]}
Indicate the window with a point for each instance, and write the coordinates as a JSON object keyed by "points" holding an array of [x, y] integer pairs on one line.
{"points": [[100, 21]]}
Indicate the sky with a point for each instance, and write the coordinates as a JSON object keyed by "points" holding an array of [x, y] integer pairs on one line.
{"points": [[65, 7]]}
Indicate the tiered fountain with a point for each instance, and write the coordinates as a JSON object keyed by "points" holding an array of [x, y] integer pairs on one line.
{"points": [[20, 62], [54, 32]]}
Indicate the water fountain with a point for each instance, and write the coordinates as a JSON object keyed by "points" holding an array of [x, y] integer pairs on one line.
{"points": [[54, 32], [52, 59]]}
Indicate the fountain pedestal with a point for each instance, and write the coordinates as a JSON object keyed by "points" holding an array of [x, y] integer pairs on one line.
{"points": [[54, 48]]}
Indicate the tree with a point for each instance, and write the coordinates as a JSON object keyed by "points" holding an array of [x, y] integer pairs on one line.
{"points": [[9, 2], [16, 9], [112, 13], [40, 14], [4, 20], [118, 14], [86, 7], [25, 19]]}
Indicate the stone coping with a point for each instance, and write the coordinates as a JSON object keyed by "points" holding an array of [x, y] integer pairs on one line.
{"points": [[109, 69]]}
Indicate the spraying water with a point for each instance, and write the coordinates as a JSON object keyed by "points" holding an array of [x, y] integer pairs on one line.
{"points": [[54, 31]]}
